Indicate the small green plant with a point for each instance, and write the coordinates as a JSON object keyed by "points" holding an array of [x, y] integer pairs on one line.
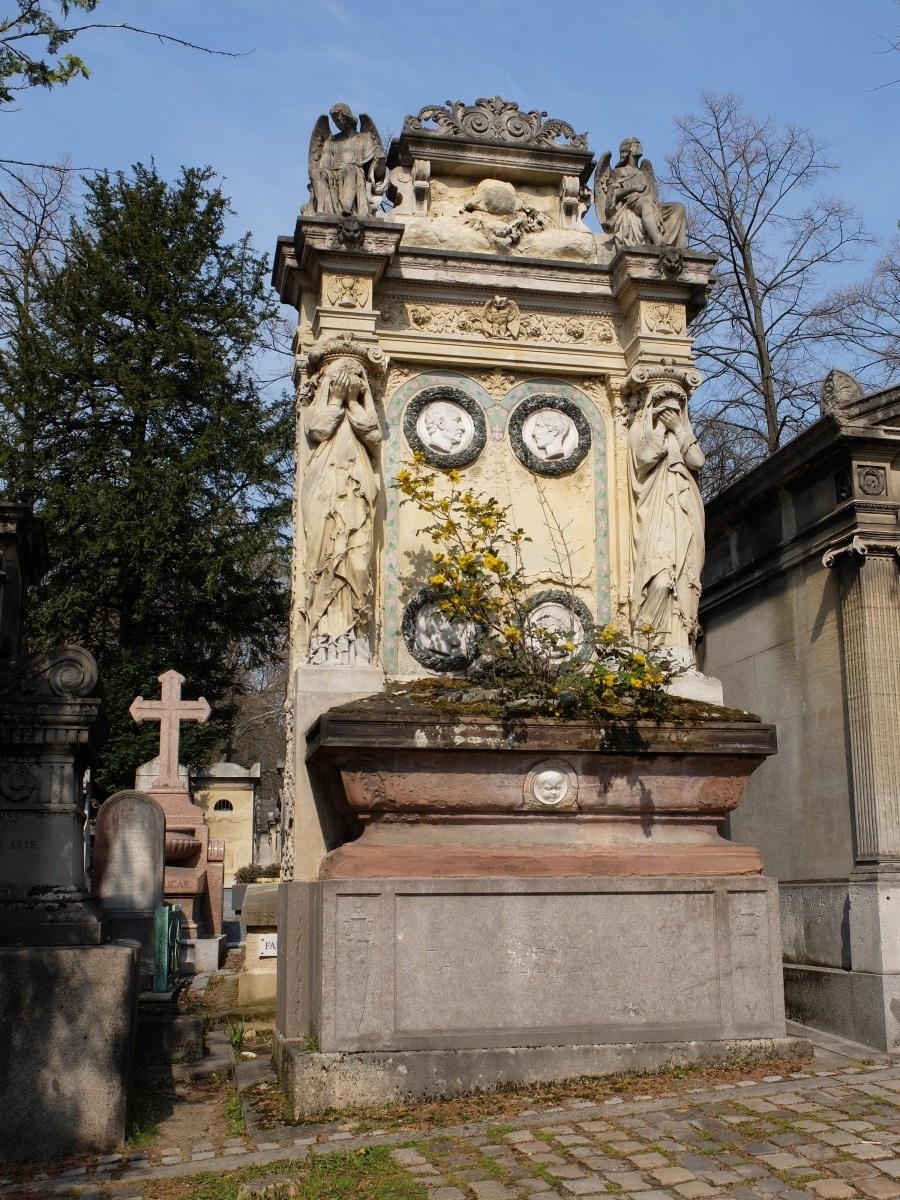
{"points": [[237, 1031], [234, 1115], [140, 1121], [480, 585]]}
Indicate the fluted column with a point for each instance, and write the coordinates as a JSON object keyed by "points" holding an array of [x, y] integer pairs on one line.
{"points": [[870, 621], [870, 615]]}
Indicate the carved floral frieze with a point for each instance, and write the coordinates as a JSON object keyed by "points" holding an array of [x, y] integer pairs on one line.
{"points": [[500, 319]]}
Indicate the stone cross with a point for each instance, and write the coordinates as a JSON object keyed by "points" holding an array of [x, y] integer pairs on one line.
{"points": [[170, 711]]}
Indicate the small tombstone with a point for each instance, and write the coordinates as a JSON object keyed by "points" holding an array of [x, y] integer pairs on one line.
{"points": [[129, 854], [129, 870]]}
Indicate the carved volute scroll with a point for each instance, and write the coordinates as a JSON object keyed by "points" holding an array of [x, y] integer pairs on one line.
{"points": [[667, 518], [337, 500]]}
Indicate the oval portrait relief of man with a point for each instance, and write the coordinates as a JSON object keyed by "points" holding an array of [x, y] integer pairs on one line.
{"points": [[549, 434], [445, 427]]}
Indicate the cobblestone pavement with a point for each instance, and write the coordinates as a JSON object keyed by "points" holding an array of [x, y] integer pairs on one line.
{"points": [[830, 1131]]}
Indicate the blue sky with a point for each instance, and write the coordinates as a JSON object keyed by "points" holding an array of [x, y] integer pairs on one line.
{"points": [[609, 68]]}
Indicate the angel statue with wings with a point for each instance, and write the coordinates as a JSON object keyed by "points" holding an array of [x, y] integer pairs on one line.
{"points": [[347, 172], [628, 203]]}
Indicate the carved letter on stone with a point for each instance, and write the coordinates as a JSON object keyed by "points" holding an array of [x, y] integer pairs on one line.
{"points": [[347, 173], [337, 500]]}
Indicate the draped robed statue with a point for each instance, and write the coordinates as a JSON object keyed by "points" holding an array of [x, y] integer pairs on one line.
{"points": [[337, 501], [628, 203], [668, 529], [347, 171]]}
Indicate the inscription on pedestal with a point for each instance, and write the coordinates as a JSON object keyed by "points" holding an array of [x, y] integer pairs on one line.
{"points": [[358, 970], [570, 962]]}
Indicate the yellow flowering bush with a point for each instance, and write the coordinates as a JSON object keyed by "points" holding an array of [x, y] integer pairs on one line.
{"points": [[479, 577]]}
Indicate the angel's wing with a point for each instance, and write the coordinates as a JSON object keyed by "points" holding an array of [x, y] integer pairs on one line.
{"points": [[320, 135], [373, 137], [652, 189], [601, 186]]}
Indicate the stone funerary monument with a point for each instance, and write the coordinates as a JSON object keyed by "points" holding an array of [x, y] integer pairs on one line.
{"points": [[453, 303]]}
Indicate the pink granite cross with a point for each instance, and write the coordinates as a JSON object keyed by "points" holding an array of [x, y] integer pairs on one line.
{"points": [[170, 711]]}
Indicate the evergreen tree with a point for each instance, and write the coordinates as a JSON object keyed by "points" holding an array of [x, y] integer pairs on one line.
{"points": [[157, 457]]}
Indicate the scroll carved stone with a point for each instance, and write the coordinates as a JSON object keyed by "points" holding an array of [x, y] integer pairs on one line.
{"points": [[68, 671], [494, 119], [337, 500]]}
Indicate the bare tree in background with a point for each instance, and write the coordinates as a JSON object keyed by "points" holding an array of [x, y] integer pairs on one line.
{"points": [[760, 339], [865, 318], [35, 207]]}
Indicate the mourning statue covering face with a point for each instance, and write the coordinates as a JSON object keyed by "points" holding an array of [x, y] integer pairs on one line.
{"points": [[337, 499], [347, 172], [628, 202], [668, 537]]}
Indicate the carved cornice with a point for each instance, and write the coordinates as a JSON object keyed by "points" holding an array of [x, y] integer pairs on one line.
{"points": [[865, 547], [67, 672], [493, 119]]}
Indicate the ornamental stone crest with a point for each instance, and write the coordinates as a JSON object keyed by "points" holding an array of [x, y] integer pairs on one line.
{"points": [[493, 119]]}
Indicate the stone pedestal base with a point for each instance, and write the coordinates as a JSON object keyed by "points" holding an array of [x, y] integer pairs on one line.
{"points": [[67, 1019], [317, 1083], [428, 965], [856, 1005]]}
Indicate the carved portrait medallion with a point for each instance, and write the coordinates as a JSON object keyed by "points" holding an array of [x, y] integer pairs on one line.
{"points": [[872, 480], [550, 784], [446, 425], [434, 639], [566, 618], [549, 434]]}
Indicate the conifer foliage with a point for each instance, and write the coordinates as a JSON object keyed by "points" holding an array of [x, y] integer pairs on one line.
{"points": [[136, 420]]}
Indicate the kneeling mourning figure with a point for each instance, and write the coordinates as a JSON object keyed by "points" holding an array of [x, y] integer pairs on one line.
{"points": [[498, 830]]}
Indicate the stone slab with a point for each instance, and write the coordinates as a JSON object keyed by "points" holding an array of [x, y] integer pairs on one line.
{"points": [[861, 1007], [427, 964], [317, 1083], [67, 1019]]}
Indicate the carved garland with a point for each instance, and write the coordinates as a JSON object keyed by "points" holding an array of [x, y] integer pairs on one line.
{"points": [[493, 119]]}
